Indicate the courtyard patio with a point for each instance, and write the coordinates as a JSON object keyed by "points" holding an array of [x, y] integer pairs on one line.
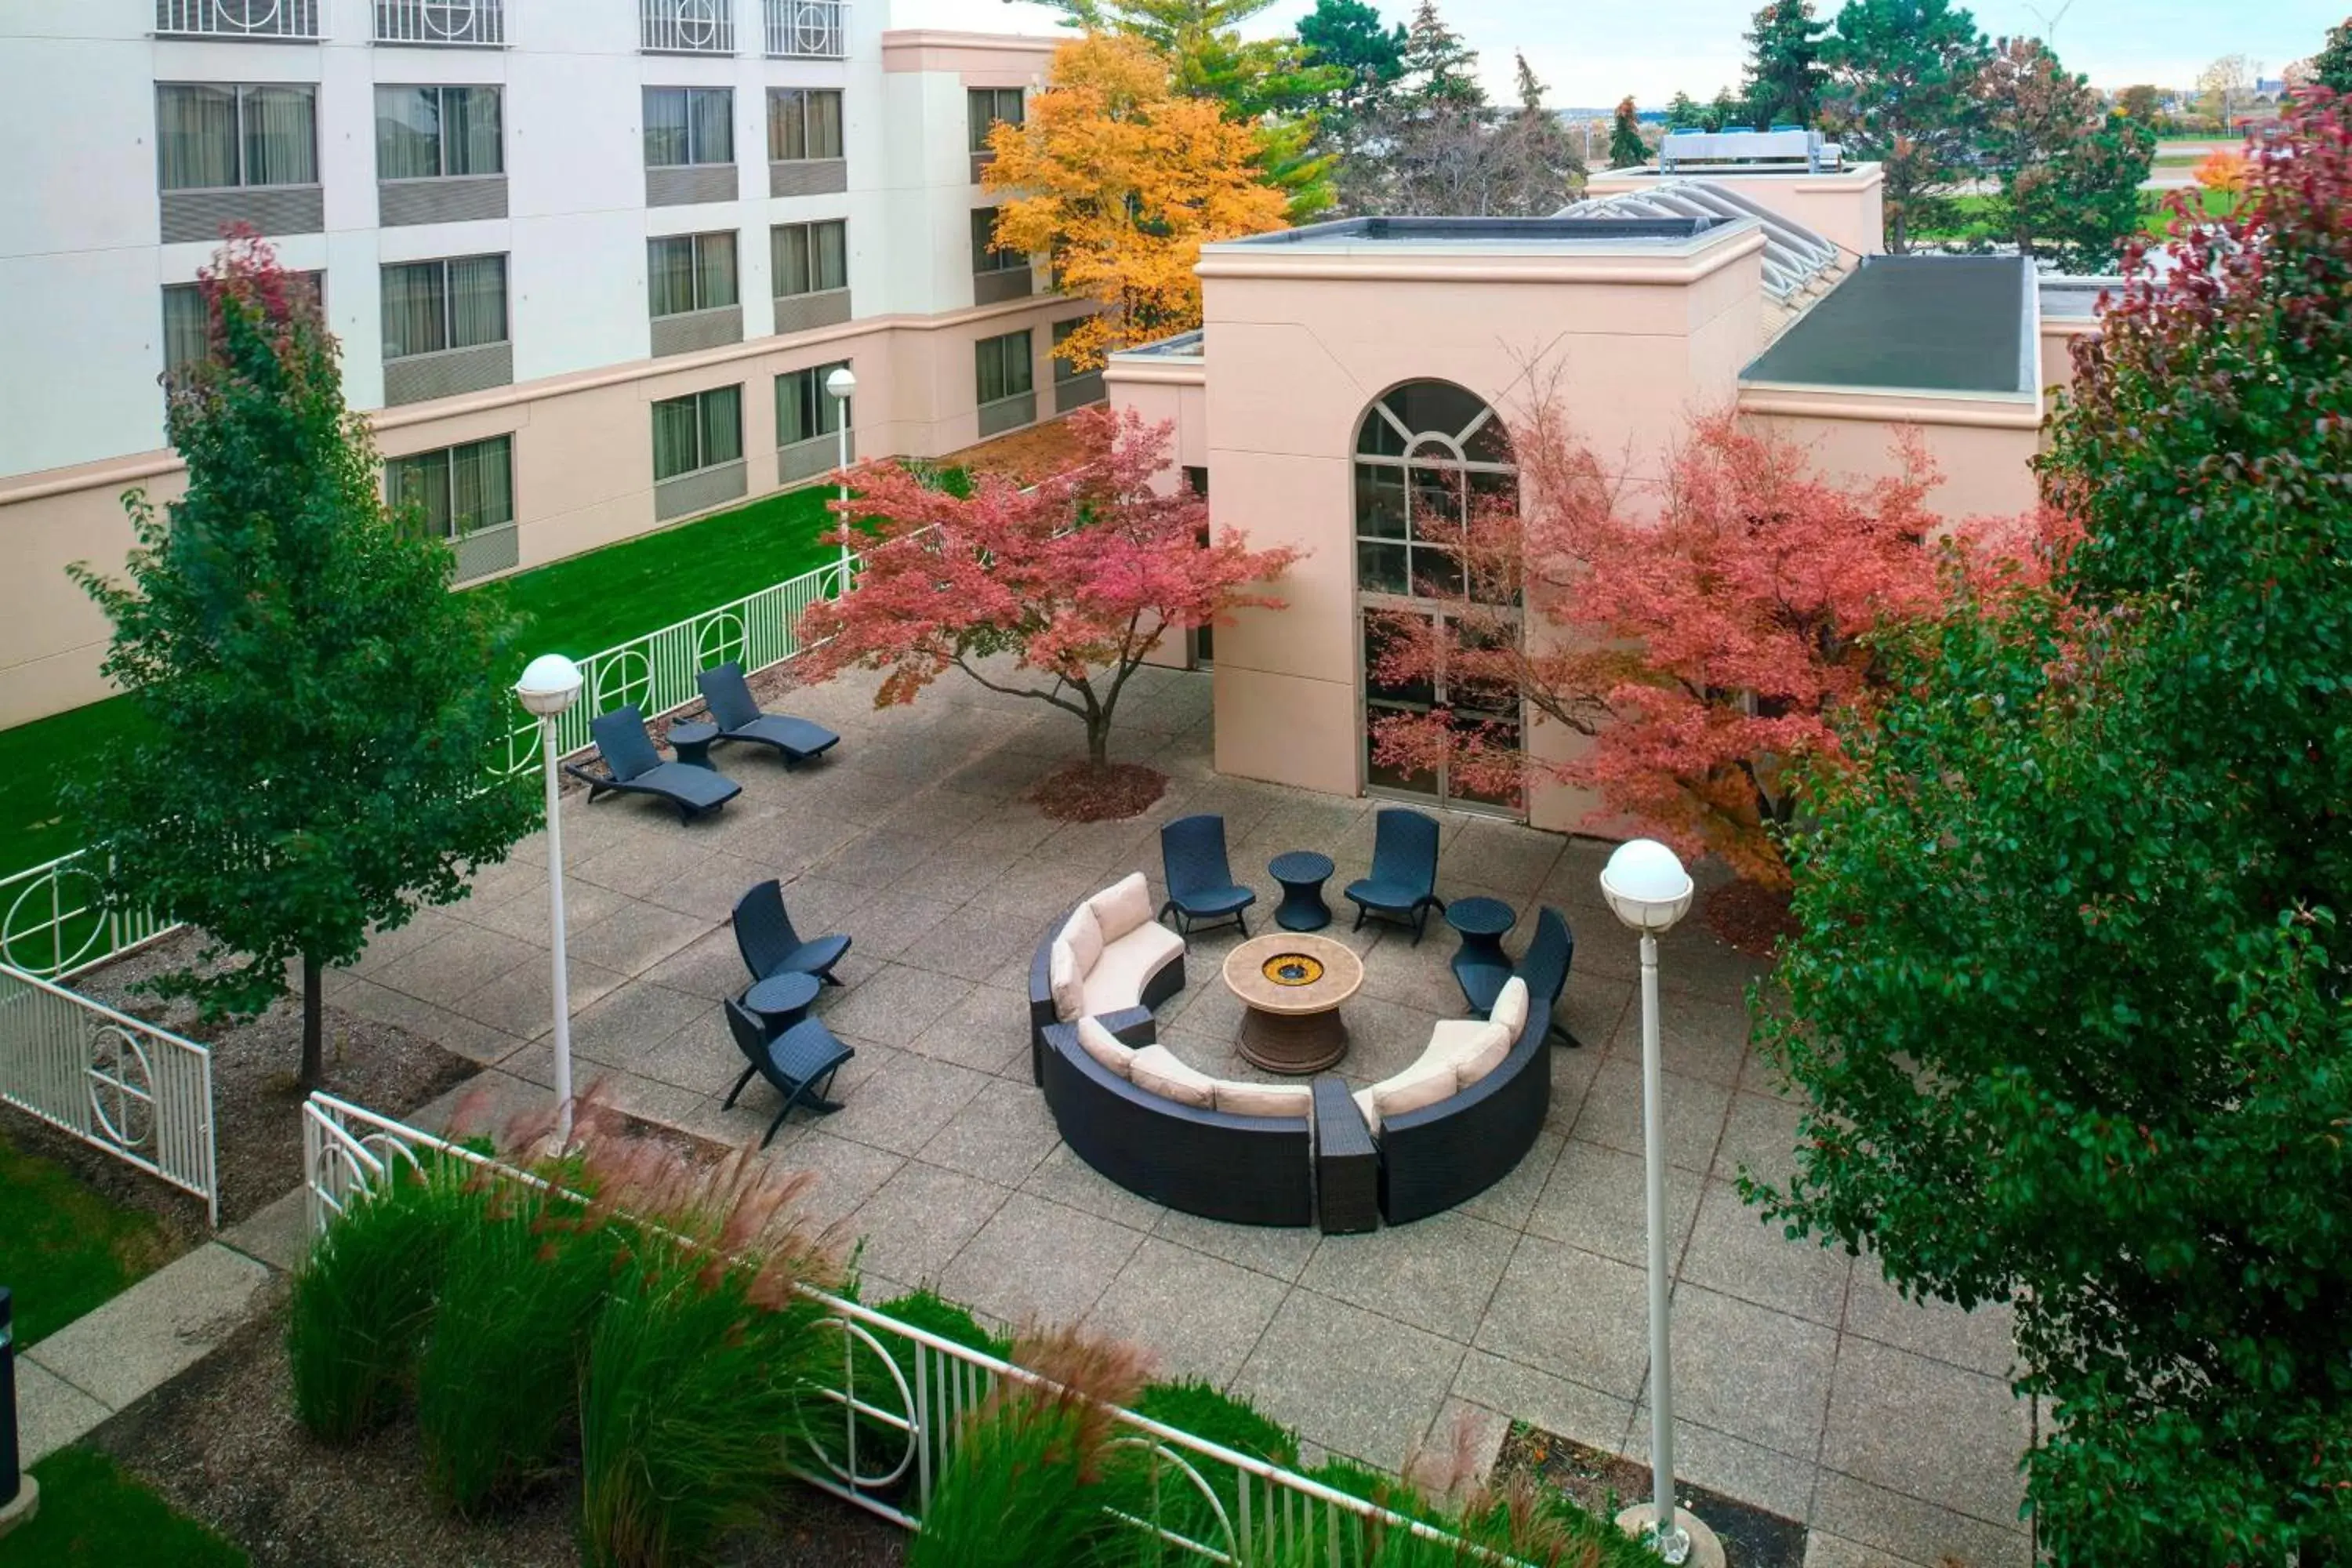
{"points": [[1806, 1385]]}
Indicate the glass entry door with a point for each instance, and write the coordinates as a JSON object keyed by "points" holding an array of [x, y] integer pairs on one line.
{"points": [[1495, 713]]}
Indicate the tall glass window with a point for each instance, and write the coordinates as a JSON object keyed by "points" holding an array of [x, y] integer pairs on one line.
{"points": [[456, 490], [438, 132], [987, 105], [697, 432], [804, 409], [984, 256], [810, 257], [803, 123], [210, 137], [1002, 366], [187, 324], [689, 125], [691, 272], [433, 306]]}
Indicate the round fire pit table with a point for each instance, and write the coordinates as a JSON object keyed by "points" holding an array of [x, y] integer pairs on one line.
{"points": [[1302, 873], [1292, 986]]}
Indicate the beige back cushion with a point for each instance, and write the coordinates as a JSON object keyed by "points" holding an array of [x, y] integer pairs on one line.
{"points": [[1105, 1048], [1263, 1099], [1122, 906], [1485, 1058], [1511, 1007], [1414, 1091], [1067, 981], [1162, 1072], [1084, 932]]}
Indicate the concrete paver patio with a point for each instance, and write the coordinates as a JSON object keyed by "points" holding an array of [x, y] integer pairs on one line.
{"points": [[1806, 1385]]}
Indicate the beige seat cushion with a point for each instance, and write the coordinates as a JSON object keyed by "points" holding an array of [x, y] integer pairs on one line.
{"points": [[1115, 982], [1238, 1098], [1123, 906], [1083, 931], [1453, 1039], [1067, 982], [1433, 1074], [1105, 1048], [1487, 1055], [1510, 1008], [1161, 1071]]}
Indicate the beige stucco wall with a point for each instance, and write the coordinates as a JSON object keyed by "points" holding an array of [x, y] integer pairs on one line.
{"points": [[983, 60], [1982, 449], [1847, 207], [583, 475]]}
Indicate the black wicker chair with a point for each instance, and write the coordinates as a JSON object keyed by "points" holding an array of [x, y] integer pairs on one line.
{"points": [[728, 697], [1403, 883], [1201, 885], [765, 937], [634, 767], [1545, 969], [800, 1063]]}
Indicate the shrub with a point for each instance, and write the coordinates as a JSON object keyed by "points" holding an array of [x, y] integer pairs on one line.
{"points": [[1200, 1409]]}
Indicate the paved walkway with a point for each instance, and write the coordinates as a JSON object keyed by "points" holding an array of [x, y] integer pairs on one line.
{"points": [[1806, 1385]]}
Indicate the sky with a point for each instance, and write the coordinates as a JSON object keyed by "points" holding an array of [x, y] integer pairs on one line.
{"points": [[1590, 55]]}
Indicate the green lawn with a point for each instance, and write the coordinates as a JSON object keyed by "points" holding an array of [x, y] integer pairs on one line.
{"points": [[1976, 216], [63, 1248], [94, 1516], [575, 607]]}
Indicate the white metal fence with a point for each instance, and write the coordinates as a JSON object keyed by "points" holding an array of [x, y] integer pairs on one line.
{"points": [[903, 1392], [140, 1093], [476, 23], [238, 18], [688, 27]]}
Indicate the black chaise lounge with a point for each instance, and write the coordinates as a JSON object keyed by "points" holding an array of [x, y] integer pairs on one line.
{"points": [[1201, 886], [1403, 883], [1545, 969], [770, 946], [800, 1063], [728, 697], [634, 767]]}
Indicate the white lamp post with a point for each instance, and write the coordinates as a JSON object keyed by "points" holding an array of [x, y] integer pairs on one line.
{"points": [[1648, 890], [549, 684], [840, 385]]}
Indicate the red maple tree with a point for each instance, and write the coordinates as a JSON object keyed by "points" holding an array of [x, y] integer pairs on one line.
{"points": [[1701, 648], [1078, 577]]}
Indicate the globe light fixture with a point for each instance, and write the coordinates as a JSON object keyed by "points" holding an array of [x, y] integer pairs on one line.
{"points": [[550, 685]]}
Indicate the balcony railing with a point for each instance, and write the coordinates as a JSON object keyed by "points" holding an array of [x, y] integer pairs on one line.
{"points": [[477, 24], [808, 29], [238, 18], [688, 26]]}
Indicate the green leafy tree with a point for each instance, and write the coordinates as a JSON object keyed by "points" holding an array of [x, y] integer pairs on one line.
{"points": [[321, 709], [2331, 68], [1626, 147], [1726, 111], [2070, 173], [2069, 999], [1347, 36], [1683, 113], [2140, 102], [1783, 85], [1439, 68], [1902, 88]]}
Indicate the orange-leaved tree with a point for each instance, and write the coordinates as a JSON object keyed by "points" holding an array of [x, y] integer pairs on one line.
{"points": [[1121, 180], [2224, 171], [1077, 578], [1702, 648]]}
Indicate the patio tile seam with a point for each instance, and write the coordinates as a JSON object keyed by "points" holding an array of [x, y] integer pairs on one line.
{"points": [[34, 1356], [1289, 1288], [2015, 1524]]}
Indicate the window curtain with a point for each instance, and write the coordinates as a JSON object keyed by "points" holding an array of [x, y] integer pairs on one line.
{"points": [[722, 424], [423, 482], [787, 127], [481, 485], [674, 438], [280, 146], [830, 265], [713, 114], [665, 127], [796, 407], [830, 411], [669, 271], [983, 229], [472, 130], [196, 136], [187, 336], [824, 125], [408, 133], [790, 259], [478, 302], [411, 310], [715, 263]]}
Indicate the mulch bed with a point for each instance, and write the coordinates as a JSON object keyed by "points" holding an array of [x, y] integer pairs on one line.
{"points": [[1023, 456], [256, 1127], [1754, 919], [221, 1444], [1085, 792], [1603, 1484]]}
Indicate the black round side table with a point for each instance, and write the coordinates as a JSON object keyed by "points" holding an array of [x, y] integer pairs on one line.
{"points": [[1302, 873], [691, 742], [782, 1000], [1482, 923]]}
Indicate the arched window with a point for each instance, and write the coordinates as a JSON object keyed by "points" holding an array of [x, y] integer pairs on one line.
{"points": [[1425, 455]]}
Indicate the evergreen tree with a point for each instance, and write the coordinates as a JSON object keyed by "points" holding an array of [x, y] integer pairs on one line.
{"points": [[1346, 35], [1626, 147], [2331, 68], [1783, 86], [1725, 111], [1903, 77], [321, 710], [2070, 173], [1683, 113], [1439, 68]]}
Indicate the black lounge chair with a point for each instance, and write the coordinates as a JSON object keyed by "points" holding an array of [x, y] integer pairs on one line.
{"points": [[738, 716], [770, 946], [1545, 969], [1201, 885], [800, 1063], [1403, 883], [634, 767]]}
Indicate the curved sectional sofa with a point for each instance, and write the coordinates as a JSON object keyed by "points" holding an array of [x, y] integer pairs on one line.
{"points": [[1444, 1130]]}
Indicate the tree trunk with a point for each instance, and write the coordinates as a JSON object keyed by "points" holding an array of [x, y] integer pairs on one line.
{"points": [[1098, 742], [313, 1028]]}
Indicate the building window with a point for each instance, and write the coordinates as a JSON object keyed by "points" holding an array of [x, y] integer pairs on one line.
{"points": [[983, 234], [1002, 366], [810, 257], [211, 137], [988, 105], [803, 123], [456, 490], [187, 324], [691, 272], [703, 431], [437, 132], [686, 125], [804, 409], [433, 306], [1063, 369]]}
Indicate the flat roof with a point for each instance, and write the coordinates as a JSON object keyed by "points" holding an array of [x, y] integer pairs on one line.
{"points": [[1180, 345], [1489, 233], [1915, 323]]}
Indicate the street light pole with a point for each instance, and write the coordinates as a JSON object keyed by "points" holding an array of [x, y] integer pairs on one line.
{"points": [[841, 383], [549, 684]]}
